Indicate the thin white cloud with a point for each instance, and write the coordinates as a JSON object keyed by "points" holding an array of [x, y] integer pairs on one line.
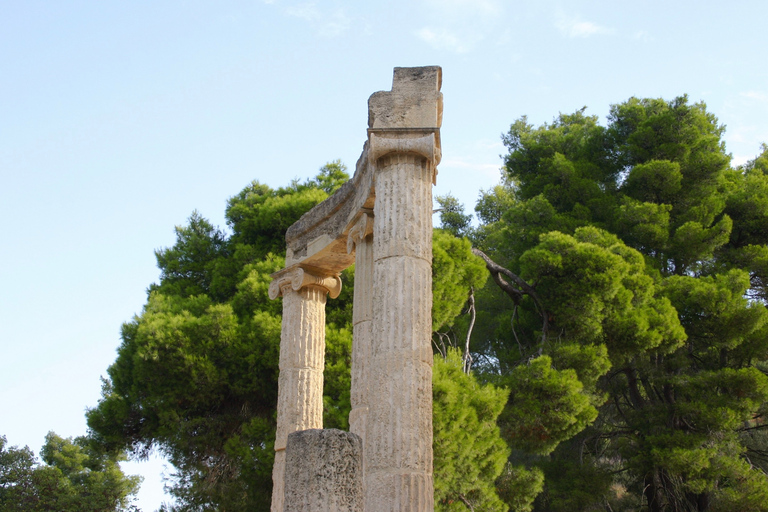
{"points": [[738, 135], [327, 24], [571, 26], [755, 95], [743, 113], [486, 144], [459, 25], [444, 39], [740, 160], [642, 35], [336, 24], [307, 11], [491, 170], [463, 7], [504, 38], [748, 134]]}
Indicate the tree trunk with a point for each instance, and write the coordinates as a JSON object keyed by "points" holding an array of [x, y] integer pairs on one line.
{"points": [[651, 492]]}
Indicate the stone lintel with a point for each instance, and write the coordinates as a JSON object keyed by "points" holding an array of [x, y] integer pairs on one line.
{"points": [[319, 237], [406, 119]]}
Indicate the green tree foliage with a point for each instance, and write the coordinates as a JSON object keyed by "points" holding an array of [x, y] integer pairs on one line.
{"points": [[452, 216], [331, 177], [628, 311], [75, 476], [518, 486], [455, 271], [196, 373], [469, 452]]}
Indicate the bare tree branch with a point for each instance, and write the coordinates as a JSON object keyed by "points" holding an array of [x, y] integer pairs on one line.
{"points": [[466, 502], [512, 325], [497, 270], [441, 348], [467, 356]]}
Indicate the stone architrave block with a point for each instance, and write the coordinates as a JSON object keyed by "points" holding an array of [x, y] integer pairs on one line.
{"points": [[323, 471]]}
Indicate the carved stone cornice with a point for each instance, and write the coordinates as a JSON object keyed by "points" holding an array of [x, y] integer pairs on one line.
{"points": [[296, 278], [361, 228]]}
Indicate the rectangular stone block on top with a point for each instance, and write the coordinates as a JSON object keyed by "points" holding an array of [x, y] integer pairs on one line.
{"points": [[415, 100]]}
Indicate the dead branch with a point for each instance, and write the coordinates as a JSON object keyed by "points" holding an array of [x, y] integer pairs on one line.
{"points": [[465, 501], [471, 310], [497, 270]]}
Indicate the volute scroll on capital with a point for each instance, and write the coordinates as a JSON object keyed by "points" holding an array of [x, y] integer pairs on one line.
{"points": [[422, 142], [361, 228], [296, 278], [385, 141]]}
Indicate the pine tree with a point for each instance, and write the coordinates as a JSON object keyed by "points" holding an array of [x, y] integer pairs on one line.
{"points": [[468, 449], [633, 260]]}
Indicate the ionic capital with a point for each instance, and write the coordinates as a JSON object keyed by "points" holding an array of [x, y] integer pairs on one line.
{"points": [[422, 142], [362, 227], [383, 142], [296, 278]]}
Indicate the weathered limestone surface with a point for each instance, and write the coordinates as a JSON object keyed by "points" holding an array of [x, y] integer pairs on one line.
{"points": [[398, 447], [302, 360], [319, 238], [415, 100], [404, 144], [323, 472], [380, 220], [360, 240], [411, 114]]}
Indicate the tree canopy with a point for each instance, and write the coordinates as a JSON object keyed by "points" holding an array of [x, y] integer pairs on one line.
{"points": [[634, 332], [468, 449], [616, 359], [196, 373], [75, 476]]}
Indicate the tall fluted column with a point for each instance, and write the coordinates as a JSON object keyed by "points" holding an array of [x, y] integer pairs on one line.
{"points": [[302, 359], [398, 445], [362, 317]]}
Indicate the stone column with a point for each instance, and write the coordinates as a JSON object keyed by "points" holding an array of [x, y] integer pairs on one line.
{"points": [[362, 317], [302, 359], [398, 444], [323, 472]]}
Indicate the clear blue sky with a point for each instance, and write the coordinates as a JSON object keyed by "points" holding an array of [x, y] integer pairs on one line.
{"points": [[118, 119]]}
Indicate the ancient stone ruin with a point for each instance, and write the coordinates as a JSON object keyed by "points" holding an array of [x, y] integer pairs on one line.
{"points": [[323, 471], [380, 221]]}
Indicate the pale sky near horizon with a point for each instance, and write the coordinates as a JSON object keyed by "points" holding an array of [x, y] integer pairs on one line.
{"points": [[118, 119]]}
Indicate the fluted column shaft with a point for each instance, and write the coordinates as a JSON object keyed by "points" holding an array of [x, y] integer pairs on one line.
{"points": [[398, 444], [362, 318], [302, 360]]}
